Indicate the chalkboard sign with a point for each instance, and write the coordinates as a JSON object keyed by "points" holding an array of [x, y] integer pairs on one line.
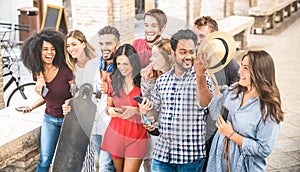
{"points": [[55, 17]]}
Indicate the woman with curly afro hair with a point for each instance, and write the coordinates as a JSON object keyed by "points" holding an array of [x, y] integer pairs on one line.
{"points": [[43, 54]]}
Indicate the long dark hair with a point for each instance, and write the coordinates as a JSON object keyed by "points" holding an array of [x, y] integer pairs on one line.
{"points": [[262, 75], [31, 52], [117, 78]]}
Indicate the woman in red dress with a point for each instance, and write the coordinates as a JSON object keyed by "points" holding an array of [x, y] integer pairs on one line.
{"points": [[125, 137]]}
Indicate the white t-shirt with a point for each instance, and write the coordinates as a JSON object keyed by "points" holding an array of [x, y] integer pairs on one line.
{"points": [[90, 74]]}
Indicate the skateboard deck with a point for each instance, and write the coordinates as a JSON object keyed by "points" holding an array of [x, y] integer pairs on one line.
{"points": [[75, 132]]}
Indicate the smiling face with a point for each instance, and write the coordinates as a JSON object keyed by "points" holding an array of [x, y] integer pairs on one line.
{"points": [[184, 54], [75, 47], [124, 66], [158, 60], [245, 75], [108, 45], [48, 52], [151, 29]]}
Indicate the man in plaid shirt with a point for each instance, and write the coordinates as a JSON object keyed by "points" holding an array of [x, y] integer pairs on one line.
{"points": [[181, 97]]}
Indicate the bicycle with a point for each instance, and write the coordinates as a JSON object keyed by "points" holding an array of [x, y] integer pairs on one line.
{"points": [[23, 93]]}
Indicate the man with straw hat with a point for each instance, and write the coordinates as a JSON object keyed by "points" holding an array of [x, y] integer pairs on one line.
{"points": [[225, 74], [220, 48]]}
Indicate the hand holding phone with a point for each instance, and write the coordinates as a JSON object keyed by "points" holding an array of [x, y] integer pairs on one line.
{"points": [[145, 120], [44, 91], [24, 109], [225, 112], [20, 109], [118, 110], [138, 99]]}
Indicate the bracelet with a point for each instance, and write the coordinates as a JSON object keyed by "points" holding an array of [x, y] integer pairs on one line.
{"points": [[231, 135]]}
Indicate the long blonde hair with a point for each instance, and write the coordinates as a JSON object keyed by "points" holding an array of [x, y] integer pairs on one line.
{"points": [[89, 50], [165, 49]]}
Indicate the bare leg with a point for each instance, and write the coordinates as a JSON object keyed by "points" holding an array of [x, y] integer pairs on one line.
{"points": [[132, 165], [119, 164]]}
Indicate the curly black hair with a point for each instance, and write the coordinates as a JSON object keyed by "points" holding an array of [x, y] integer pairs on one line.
{"points": [[31, 53]]}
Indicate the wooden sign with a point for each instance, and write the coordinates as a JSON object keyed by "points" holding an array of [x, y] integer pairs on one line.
{"points": [[55, 17]]}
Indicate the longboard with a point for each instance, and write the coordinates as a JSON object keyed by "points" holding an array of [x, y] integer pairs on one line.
{"points": [[75, 133]]}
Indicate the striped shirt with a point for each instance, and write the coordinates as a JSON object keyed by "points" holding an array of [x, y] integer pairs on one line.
{"points": [[89, 159], [182, 119]]}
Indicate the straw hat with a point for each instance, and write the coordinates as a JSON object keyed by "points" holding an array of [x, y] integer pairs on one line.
{"points": [[220, 48]]}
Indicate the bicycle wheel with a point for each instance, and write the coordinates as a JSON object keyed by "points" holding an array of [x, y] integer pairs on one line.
{"points": [[23, 95]]}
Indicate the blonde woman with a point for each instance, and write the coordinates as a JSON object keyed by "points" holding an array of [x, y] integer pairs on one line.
{"points": [[161, 62], [81, 58]]}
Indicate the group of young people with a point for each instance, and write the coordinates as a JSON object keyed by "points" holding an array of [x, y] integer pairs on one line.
{"points": [[179, 99]]}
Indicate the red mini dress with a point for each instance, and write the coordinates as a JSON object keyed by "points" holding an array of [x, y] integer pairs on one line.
{"points": [[126, 137]]}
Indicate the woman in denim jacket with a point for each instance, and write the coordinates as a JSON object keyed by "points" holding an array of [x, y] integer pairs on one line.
{"points": [[243, 142]]}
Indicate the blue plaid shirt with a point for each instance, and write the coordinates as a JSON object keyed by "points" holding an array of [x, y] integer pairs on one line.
{"points": [[182, 119]]}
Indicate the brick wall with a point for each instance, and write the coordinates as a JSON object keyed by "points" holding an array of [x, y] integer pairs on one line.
{"points": [[20, 151], [123, 16], [90, 16], [27, 163]]}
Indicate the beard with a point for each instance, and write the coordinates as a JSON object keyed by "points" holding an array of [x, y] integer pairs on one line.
{"points": [[109, 58], [152, 41], [181, 63]]}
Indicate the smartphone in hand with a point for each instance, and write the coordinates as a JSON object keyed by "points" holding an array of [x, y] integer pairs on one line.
{"points": [[20, 109], [225, 112], [138, 99], [44, 91], [145, 120], [119, 110]]}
